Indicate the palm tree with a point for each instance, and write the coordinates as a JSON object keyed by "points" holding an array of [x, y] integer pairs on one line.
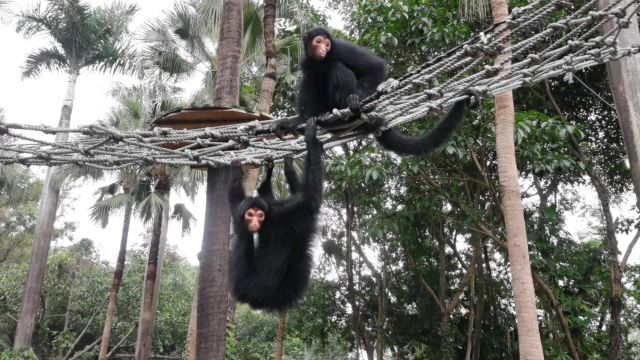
{"points": [[148, 189], [84, 38], [135, 183], [529, 341], [185, 42]]}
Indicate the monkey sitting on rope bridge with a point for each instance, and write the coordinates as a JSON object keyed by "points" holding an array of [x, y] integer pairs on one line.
{"points": [[338, 74]]}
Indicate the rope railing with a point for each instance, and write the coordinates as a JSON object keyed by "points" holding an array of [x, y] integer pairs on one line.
{"points": [[540, 49]]}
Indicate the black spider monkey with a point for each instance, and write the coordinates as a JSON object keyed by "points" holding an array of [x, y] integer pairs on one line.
{"points": [[274, 274], [338, 74]]}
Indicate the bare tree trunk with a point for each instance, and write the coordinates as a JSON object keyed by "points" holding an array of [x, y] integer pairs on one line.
{"points": [[191, 332], [477, 331], [213, 284], [213, 277], [227, 91], [382, 312], [282, 327], [153, 276], [529, 340], [43, 233], [115, 283], [446, 346], [615, 273], [472, 317], [624, 77], [268, 86], [358, 327]]}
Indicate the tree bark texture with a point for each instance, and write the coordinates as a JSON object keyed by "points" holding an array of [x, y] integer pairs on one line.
{"points": [[152, 279], [115, 283], [282, 328], [268, 86], [191, 332], [529, 341], [227, 87], [213, 277], [624, 79], [43, 233], [479, 313]]}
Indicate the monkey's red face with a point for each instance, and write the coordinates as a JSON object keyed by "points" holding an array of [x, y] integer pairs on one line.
{"points": [[319, 47], [253, 218]]}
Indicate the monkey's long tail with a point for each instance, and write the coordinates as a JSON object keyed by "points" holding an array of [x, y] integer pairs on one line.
{"points": [[392, 140]]}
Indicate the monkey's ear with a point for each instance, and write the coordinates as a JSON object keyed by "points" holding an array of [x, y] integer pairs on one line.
{"points": [[306, 38]]}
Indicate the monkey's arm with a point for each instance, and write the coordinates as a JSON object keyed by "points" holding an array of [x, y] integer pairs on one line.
{"points": [[370, 69], [291, 175], [265, 190], [236, 192]]}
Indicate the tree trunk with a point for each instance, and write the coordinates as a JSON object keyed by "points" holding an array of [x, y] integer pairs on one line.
{"points": [[624, 77], [227, 87], [382, 311], [529, 341], [115, 283], [282, 327], [153, 276], [43, 233], [477, 331], [213, 277], [446, 347], [615, 274], [359, 330], [268, 86], [191, 332], [213, 287]]}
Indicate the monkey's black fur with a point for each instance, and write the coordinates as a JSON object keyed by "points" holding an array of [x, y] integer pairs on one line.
{"points": [[274, 275], [350, 73]]}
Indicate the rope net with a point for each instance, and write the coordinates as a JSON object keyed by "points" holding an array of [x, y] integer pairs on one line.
{"points": [[546, 38]]}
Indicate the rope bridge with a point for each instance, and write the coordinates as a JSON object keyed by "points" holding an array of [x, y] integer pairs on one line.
{"points": [[548, 39]]}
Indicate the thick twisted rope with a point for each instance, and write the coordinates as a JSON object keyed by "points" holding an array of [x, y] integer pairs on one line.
{"points": [[540, 50]]}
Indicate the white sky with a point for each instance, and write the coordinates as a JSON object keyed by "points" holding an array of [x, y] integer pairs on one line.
{"points": [[38, 101]]}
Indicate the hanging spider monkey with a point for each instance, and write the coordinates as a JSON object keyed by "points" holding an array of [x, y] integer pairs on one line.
{"points": [[273, 273], [338, 74]]}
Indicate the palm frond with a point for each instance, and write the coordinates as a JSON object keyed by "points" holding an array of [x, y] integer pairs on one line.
{"points": [[33, 21], [75, 172], [151, 206], [112, 58], [253, 39], [210, 10], [182, 214], [187, 179], [117, 17], [44, 59], [103, 209], [107, 190], [12, 182]]}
